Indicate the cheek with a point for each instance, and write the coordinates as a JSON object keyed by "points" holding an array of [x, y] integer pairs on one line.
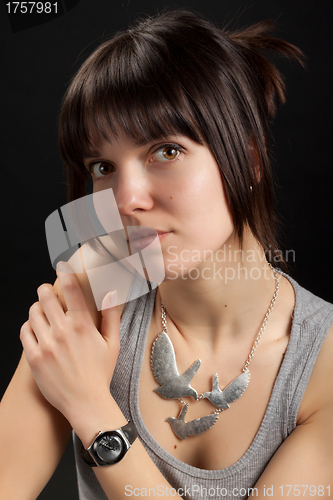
{"points": [[204, 205], [202, 222], [196, 203], [203, 227]]}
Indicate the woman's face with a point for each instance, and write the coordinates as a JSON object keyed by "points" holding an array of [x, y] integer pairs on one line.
{"points": [[173, 186]]}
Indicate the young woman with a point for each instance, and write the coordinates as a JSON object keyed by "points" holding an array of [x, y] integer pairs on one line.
{"points": [[221, 379]]}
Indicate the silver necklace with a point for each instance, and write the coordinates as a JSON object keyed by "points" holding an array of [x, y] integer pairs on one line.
{"points": [[176, 386]]}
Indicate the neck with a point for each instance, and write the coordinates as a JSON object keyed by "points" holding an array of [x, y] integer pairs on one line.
{"points": [[231, 295]]}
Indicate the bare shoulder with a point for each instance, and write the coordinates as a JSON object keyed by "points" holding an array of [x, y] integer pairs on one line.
{"points": [[318, 396]]}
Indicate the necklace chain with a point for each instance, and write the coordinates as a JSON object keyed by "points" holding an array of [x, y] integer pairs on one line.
{"points": [[262, 328], [268, 313]]}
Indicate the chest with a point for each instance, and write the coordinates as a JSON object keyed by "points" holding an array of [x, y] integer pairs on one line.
{"points": [[232, 434]]}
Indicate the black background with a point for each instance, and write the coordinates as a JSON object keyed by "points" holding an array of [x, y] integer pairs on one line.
{"points": [[36, 66]]}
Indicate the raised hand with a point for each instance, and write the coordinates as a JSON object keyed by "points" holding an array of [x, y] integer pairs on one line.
{"points": [[71, 360]]}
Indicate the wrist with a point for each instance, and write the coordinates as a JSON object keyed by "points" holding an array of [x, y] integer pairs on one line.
{"points": [[102, 415], [109, 447]]}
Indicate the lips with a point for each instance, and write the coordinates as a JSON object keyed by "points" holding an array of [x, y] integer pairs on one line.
{"points": [[141, 238], [144, 232]]}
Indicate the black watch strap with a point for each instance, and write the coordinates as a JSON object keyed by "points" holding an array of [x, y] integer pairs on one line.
{"points": [[129, 432], [87, 457]]}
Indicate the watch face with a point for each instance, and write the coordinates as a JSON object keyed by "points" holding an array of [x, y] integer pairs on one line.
{"points": [[110, 447]]}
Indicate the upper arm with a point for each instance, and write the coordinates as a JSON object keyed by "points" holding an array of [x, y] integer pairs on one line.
{"points": [[306, 456], [33, 436]]}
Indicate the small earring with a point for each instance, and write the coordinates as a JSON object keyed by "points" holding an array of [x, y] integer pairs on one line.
{"points": [[251, 189]]}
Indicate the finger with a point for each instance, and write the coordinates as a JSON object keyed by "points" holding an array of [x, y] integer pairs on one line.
{"points": [[28, 340], [71, 289], [50, 303], [38, 321], [110, 318]]}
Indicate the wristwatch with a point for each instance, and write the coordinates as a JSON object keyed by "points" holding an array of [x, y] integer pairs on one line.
{"points": [[110, 447]]}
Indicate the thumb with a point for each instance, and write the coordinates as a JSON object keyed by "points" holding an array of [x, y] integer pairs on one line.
{"points": [[110, 317]]}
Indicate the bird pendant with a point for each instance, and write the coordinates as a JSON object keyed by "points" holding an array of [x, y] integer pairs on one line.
{"points": [[233, 391], [182, 429], [176, 386], [164, 366]]}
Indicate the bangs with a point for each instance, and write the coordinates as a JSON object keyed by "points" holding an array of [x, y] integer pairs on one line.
{"points": [[124, 90]]}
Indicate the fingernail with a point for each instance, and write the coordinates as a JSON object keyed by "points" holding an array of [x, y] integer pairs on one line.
{"points": [[110, 300], [63, 267]]}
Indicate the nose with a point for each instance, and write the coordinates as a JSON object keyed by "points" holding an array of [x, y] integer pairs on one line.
{"points": [[132, 190]]}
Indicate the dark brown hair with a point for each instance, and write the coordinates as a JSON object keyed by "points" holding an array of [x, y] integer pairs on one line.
{"points": [[178, 73]]}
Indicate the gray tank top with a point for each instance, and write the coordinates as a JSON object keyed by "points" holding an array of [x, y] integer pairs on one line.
{"points": [[311, 321]]}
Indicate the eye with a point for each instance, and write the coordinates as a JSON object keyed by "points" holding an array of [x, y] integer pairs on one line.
{"points": [[168, 152], [101, 169]]}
